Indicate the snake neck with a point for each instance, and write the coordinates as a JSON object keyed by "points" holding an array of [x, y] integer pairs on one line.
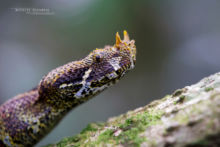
{"points": [[31, 120]]}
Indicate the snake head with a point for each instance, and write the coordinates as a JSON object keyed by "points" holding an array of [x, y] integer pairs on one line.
{"points": [[108, 65], [112, 62], [84, 78]]}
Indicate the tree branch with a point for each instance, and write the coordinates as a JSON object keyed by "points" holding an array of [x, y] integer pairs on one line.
{"points": [[189, 117]]}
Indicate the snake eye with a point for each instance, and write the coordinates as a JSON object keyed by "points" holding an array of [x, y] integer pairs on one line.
{"points": [[97, 58]]}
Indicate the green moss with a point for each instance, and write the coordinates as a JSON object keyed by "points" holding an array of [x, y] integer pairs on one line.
{"points": [[79, 139], [177, 92], [104, 137], [207, 89], [90, 127], [180, 99], [128, 123], [130, 130], [66, 141], [200, 143]]}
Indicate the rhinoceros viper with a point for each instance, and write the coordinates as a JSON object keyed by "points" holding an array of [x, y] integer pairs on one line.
{"points": [[28, 117]]}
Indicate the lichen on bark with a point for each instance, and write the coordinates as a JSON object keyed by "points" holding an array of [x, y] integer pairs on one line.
{"points": [[188, 117]]}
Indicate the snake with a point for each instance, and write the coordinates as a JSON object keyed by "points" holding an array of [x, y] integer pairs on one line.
{"points": [[26, 118]]}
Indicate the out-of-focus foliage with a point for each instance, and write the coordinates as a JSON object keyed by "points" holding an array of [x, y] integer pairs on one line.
{"points": [[178, 43]]}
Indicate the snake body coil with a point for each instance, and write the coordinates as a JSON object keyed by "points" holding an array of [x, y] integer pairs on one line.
{"points": [[27, 117]]}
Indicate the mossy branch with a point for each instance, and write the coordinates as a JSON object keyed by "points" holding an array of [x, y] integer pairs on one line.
{"points": [[188, 117]]}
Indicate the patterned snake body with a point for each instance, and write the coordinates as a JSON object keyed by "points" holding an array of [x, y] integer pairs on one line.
{"points": [[28, 117]]}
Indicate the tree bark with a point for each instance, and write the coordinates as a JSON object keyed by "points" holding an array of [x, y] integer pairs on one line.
{"points": [[188, 117]]}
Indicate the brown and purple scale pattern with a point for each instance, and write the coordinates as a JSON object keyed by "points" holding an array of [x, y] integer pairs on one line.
{"points": [[71, 76], [27, 117]]}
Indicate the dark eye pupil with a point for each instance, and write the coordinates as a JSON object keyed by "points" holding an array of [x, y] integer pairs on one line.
{"points": [[98, 58]]}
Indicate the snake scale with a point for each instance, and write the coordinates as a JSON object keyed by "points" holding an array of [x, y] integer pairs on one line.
{"points": [[28, 117]]}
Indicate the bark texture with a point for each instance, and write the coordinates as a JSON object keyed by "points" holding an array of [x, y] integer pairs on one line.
{"points": [[188, 117]]}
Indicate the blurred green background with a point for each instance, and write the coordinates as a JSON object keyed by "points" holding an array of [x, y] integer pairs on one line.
{"points": [[178, 43]]}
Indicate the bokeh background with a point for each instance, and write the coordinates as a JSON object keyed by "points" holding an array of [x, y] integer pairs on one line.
{"points": [[178, 43]]}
